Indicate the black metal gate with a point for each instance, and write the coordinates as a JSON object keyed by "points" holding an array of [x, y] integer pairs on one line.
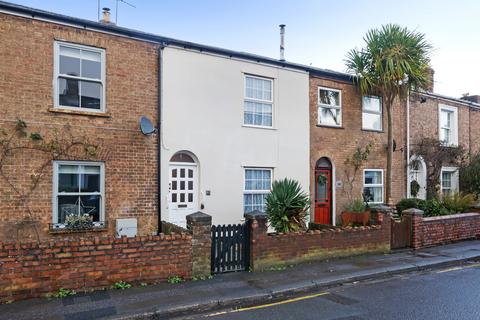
{"points": [[230, 248]]}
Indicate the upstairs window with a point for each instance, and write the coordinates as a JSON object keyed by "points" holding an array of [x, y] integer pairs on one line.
{"points": [[79, 81], [372, 113], [258, 104], [329, 107], [448, 125], [258, 183]]}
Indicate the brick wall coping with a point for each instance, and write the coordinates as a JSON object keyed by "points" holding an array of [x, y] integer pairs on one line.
{"points": [[332, 230], [92, 241], [451, 216]]}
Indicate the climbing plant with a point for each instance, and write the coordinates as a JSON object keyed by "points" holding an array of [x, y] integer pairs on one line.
{"points": [[353, 164], [19, 142]]}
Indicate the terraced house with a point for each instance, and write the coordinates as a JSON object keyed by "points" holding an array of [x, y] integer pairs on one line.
{"points": [[222, 125]]}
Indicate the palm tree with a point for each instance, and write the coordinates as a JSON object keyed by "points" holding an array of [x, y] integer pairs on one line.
{"points": [[394, 61]]}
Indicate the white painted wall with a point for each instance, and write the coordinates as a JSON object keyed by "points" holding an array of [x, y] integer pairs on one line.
{"points": [[203, 99]]}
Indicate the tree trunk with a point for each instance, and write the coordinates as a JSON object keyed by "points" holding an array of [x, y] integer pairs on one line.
{"points": [[388, 187]]}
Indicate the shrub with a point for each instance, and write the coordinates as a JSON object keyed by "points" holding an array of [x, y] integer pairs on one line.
{"points": [[287, 206], [470, 176], [357, 205], [433, 208], [122, 285], [63, 293], [409, 203], [174, 279], [456, 202]]}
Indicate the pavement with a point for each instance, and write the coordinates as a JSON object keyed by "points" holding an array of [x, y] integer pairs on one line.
{"points": [[445, 293], [240, 289]]}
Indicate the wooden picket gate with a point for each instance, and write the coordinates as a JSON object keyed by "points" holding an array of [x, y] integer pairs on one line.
{"points": [[230, 248]]}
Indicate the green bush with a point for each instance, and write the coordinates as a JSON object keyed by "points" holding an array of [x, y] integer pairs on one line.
{"points": [[287, 206], [356, 205], [409, 203], [470, 176], [457, 203], [433, 208]]}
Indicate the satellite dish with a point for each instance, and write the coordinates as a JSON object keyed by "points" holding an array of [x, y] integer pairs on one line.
{"points": [[146, 126]]}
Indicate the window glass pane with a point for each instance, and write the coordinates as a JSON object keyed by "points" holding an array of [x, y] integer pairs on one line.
{"points": [[90, 205], [90, 182], [68, 90], [322, 189], [373, 194], [174, 185], [190, 197], [329, 116], [69, 66], [252, 202], [329, 97], [445, 118], [260, 89], [91, 56], [67, 205], [182, 185], [371, 104], [182, 173], [174, 197], [373, 177], [68, 182], [446, 179], [91, 93], [182, 197], [65, 168], [445, 135], [190, 185], [259, 114], [372, 121], [91, 69]]}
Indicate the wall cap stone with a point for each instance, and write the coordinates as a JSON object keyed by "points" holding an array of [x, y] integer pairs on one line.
{"points": [[413, 212], [255, 215], [199, 217]]}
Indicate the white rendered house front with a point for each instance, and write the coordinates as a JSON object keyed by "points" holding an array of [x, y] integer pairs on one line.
{"points": [[230, 127]]}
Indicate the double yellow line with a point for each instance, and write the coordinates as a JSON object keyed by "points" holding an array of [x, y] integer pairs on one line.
{"points": [[268, 305]]}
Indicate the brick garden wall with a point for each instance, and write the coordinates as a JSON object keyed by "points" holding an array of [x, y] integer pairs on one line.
{"points": [[268, 250], [432, 231], [35, 269]]}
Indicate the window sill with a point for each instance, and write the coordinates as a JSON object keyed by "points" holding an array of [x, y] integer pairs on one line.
{"points": [[258, 127], [56, 228], [330, 127], [373, 130], [80, 112]]}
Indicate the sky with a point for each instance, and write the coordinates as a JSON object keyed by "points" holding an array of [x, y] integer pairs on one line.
{"points": [[318, 32]]}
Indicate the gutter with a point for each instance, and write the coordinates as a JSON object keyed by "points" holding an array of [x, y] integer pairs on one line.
{"points": [[159, 135]]}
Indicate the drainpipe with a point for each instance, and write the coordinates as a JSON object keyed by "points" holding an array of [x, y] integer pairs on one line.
{"points": [[159, 135], [408, 143]]}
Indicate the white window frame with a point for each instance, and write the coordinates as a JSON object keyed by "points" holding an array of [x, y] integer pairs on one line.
{"points": [[380, 113], [375, 184], [321, 105], [454, 124], [246, 191], [455, 187], [245, 98], [56, 75], [55, 193]]}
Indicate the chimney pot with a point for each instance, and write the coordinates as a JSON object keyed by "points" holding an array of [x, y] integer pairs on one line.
{"points": [[106, 15], [282, 42]]}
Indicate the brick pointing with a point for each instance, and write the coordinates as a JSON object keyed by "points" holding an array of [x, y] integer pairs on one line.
{"points": [[34, 269], [431, 231], [269, 250]]}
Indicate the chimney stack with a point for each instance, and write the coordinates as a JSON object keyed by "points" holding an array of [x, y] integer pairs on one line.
{"points": [[282, 42], [106, 15], [431, 76], [472, 98]]}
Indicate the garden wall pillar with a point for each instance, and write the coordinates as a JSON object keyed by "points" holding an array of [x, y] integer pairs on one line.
{"points": [[414, 218], [257, 223], [200, 224]]}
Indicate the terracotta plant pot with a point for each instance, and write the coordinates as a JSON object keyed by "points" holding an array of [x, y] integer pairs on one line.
{"points": [[355, 218]]}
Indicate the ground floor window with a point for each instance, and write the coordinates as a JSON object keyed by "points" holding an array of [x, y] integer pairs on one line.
{"points": [[78, 190], [258, 182], [449, 180], [373, 185]]}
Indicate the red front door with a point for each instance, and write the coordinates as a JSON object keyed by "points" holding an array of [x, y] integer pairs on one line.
{"points": [[323, 196]]}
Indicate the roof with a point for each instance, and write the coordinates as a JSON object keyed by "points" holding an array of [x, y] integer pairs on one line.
{"points": [[32, 13], [451, 99]]}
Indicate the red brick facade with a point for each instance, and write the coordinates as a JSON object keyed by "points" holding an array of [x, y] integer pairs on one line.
{"points": [[340, 143], [26, 92]]}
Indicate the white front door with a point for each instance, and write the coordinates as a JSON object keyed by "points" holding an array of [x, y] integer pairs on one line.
{"points": [[418, 173], [183, 193]]}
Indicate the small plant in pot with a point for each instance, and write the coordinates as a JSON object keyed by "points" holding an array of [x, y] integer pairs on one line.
{"points": [[355, 212], [79, 222]]}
